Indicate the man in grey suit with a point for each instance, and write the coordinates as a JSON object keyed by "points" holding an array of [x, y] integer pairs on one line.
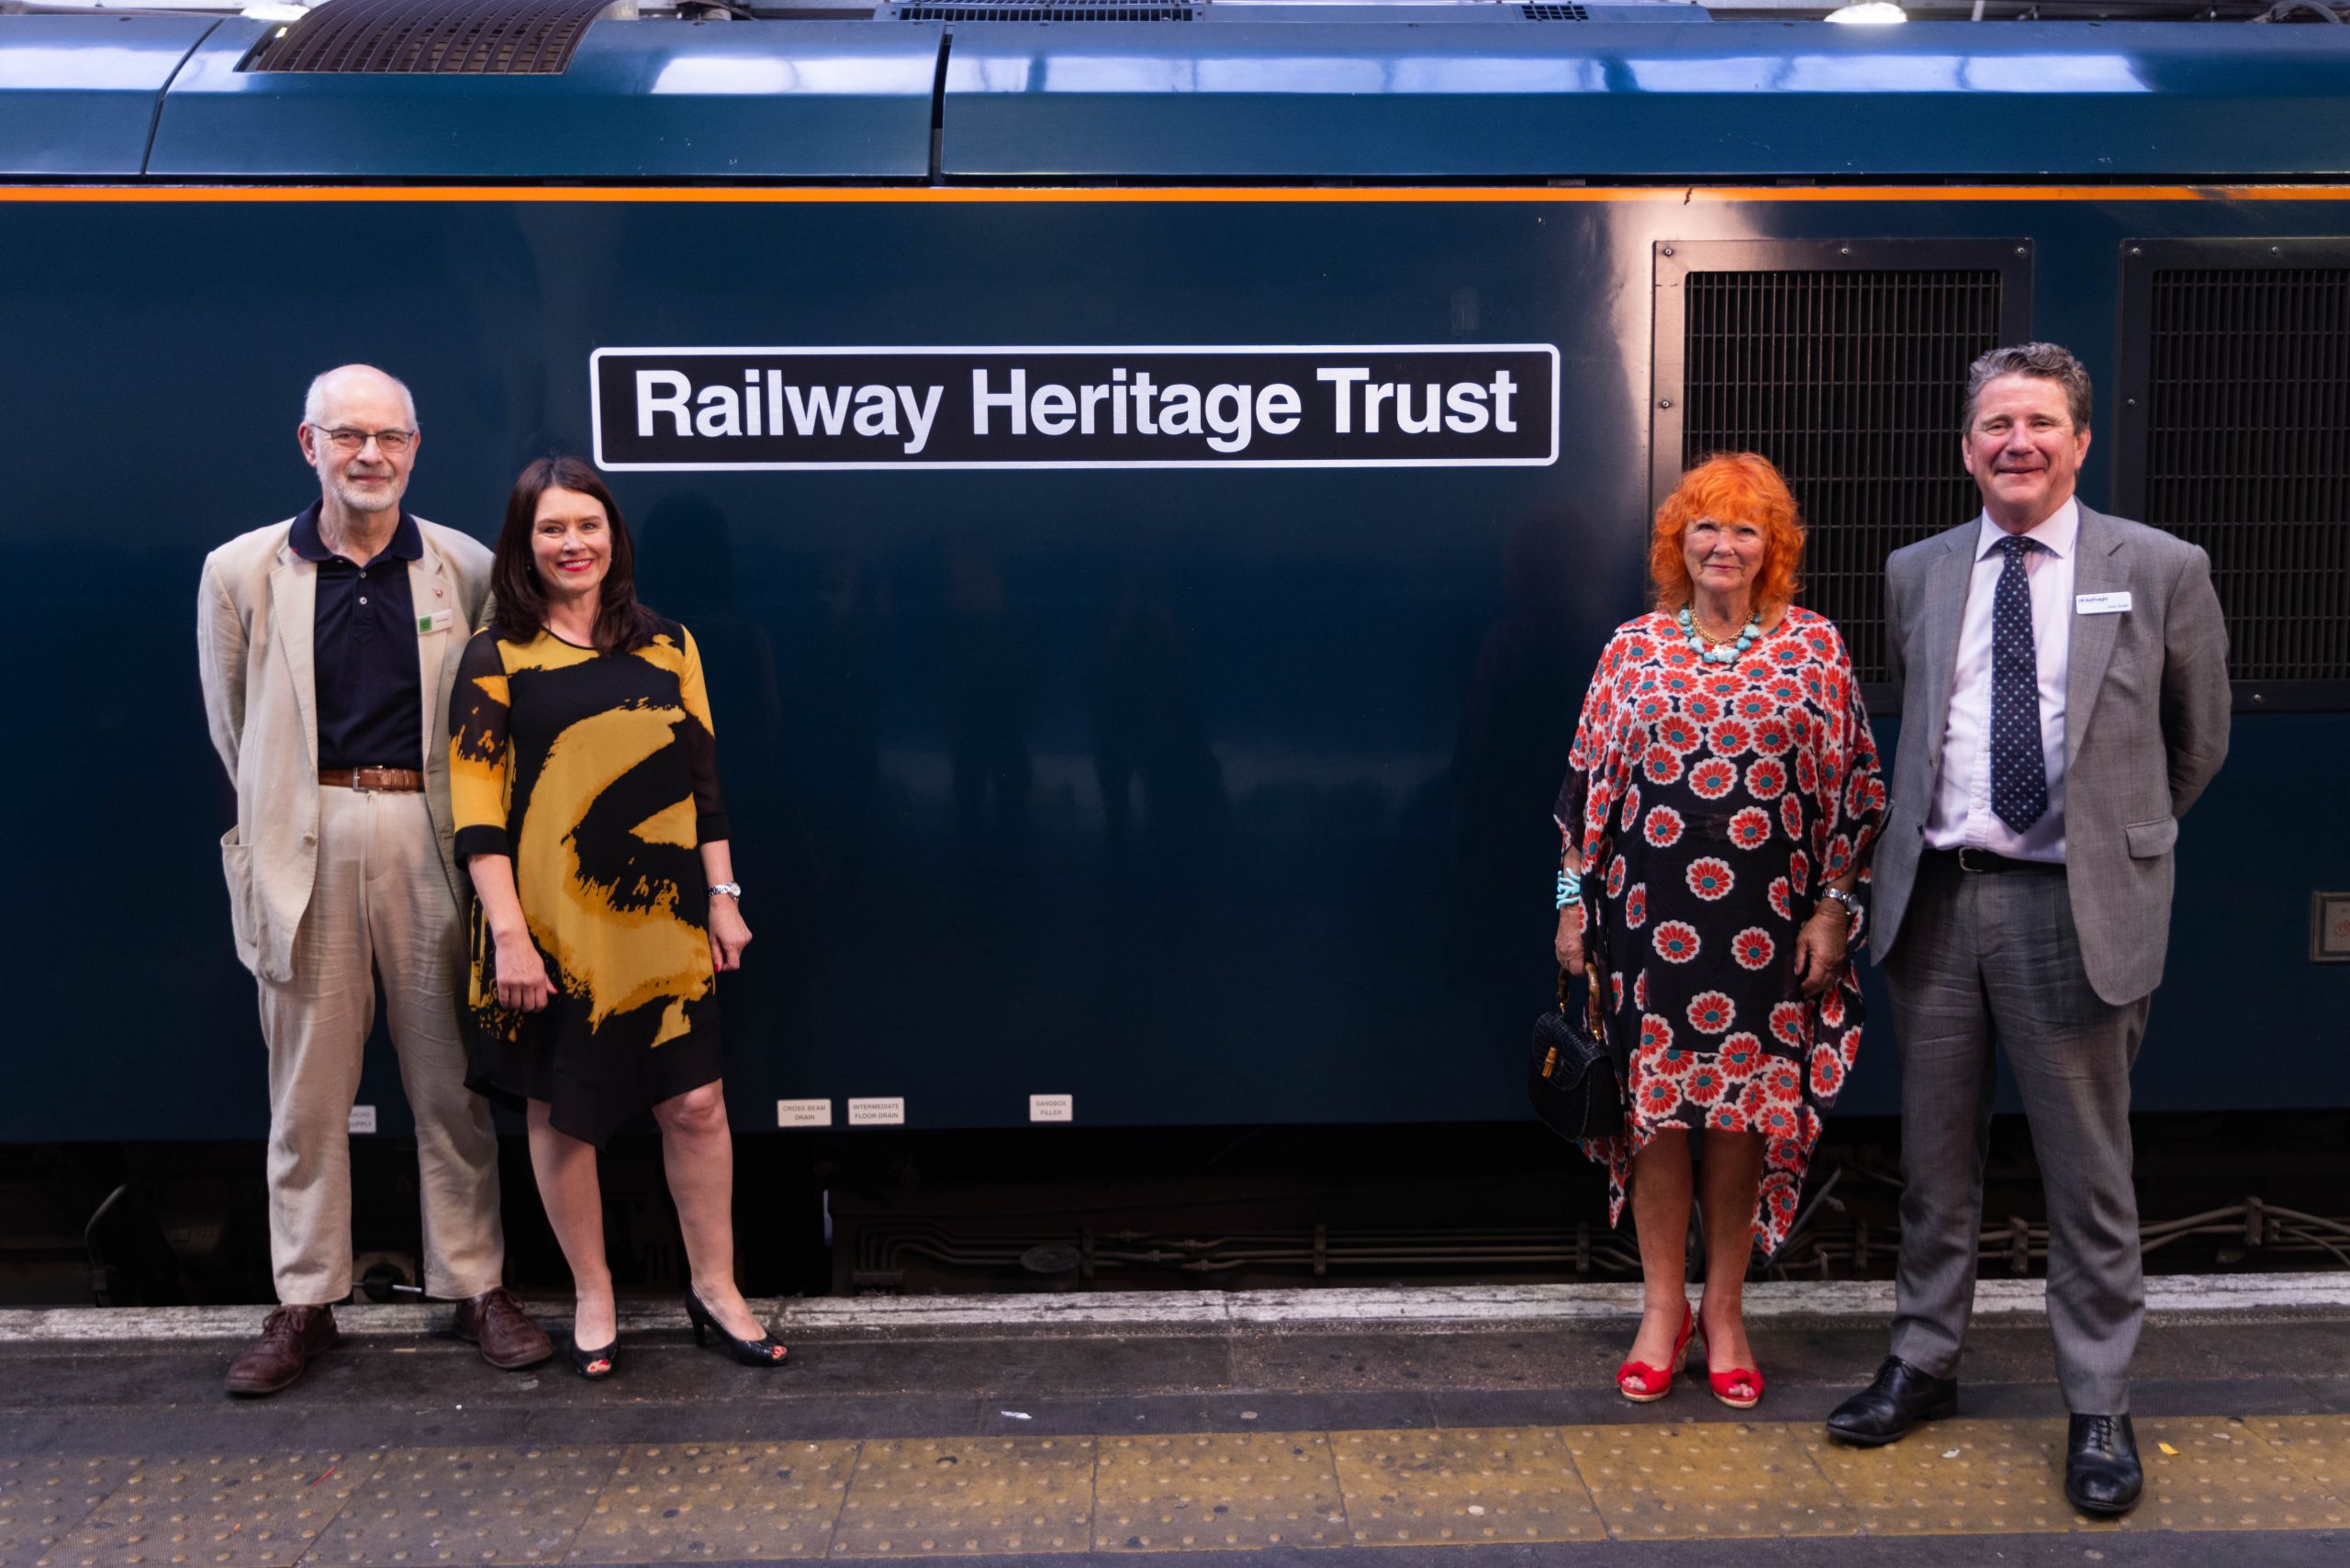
{"points": [[2064, 700]]}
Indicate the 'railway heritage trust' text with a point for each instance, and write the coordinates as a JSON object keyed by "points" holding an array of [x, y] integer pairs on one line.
{"points": [[1412, 404]]}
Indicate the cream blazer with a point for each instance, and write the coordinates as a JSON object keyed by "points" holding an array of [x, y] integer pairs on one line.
{"points": [[254, 634]]}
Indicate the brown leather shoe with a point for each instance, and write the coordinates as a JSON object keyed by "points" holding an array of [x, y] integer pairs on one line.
{"points": [[290, 1335], [509, 1339]]}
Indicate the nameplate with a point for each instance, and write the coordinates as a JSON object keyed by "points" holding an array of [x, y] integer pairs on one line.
{"points": [[2100, 603]]}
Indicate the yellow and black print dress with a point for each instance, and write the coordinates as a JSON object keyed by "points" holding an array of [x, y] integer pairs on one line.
{"points": [[597, 773]]}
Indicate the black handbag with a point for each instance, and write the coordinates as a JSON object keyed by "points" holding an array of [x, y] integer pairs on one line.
{"points": [[1570, 1077]]}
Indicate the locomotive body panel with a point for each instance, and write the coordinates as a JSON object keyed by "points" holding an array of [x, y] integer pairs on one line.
{"points": [[1206, 795]]}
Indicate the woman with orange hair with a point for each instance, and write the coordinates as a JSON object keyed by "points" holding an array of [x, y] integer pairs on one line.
{"points": [[1721, 803]]}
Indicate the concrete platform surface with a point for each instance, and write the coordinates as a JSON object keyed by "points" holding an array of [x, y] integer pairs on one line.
{"points": [[1024, 1435]]}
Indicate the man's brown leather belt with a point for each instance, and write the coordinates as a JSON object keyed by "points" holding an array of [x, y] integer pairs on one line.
{"points": [[1973, 859], [396, 779]]}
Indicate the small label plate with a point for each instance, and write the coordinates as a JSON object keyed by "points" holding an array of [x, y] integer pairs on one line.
{"points": [[1052, 1107], [363, 1119], [888, 1111], [2330, 928], [803, 1112]]}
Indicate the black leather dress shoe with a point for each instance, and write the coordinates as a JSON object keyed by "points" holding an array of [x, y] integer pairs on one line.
{"points": [[2101, 1472], [1899, 1398]]}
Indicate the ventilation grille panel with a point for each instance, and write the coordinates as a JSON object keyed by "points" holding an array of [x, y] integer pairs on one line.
{"points": [[435, 37], [1046, 11], [1854, 383], [2247, 453], [1554, 13]]}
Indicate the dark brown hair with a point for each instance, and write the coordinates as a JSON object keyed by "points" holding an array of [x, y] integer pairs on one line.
{"points": [[622, 625]]}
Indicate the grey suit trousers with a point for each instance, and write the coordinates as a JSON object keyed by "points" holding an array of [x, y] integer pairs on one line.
{"points": [[1987, 958]]}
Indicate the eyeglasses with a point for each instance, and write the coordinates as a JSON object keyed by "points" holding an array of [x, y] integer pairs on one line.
{"points": [[390, 443]]}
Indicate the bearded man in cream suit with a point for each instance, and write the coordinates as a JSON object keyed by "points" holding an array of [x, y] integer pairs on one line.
{"points": [[326, 645], [2064, 700]]}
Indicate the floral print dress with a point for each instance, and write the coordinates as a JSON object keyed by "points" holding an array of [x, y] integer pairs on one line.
{"points": [[1727, 795]]}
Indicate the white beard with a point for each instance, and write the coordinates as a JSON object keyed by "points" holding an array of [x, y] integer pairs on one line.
{"points": [[385, 499]]}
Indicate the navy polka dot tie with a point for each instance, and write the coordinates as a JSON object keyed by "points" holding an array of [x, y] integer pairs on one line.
{"points": [[2019, 765]]}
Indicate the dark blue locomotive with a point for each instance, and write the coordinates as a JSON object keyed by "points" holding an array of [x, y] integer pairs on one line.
{"points": [[1133, 785]]}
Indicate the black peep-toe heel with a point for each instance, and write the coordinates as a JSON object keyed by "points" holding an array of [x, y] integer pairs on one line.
{"points": [[763, 1352], [597, 1364]]}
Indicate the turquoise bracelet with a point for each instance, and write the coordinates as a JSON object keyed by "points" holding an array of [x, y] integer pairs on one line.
{"points": [[1569, 887]]}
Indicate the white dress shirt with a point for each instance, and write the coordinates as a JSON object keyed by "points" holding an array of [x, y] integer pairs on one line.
{"points": [[1960, 814]]}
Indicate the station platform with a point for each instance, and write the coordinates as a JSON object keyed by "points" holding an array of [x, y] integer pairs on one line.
{"points": [[1458, 1427]]}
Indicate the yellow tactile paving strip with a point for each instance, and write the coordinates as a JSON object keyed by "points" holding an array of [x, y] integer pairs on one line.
{"points": [[958, 1496], [447, 1506], [719, 1503], [42, 1501], [1433, 1487], [1210, 1490], [751, 1502], [222, 1510], [1957, 1477], [1707, 1481]]}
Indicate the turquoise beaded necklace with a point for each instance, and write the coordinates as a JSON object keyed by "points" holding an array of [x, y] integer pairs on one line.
{"points": [[1724, 653]]}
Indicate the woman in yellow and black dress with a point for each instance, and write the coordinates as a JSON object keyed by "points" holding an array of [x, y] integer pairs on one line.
{"points": [[585, 783]]}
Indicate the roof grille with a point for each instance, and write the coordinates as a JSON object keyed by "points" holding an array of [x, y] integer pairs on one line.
{"points": [[433, 38], [1045, 11], [1554, 13], [2247, 453], [1854, 383]]}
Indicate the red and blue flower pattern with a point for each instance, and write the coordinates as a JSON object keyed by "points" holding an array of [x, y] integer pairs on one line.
{"points": [[1749, 785], [1711, 1013], [1675, 942], [1710, 879], [1711, 779]]}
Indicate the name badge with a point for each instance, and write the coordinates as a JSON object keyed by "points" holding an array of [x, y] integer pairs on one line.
{"points": [[2100, 603], [442, 620]]}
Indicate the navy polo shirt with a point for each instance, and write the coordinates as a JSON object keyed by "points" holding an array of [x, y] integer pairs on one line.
{"points": [[371, 693]]}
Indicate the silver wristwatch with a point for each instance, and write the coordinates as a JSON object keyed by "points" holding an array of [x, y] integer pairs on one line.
{"points": [[731, 889], [1851, 905]]}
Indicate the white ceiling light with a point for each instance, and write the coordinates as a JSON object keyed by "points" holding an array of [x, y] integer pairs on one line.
{"points": [[1870, 13]]}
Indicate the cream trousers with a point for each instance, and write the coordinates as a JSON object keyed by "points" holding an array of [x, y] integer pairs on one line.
{"points": [[381, 909]]}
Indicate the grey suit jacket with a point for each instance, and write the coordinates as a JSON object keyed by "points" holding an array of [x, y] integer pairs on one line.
{"points": [[254, 645], [2146, 707]]}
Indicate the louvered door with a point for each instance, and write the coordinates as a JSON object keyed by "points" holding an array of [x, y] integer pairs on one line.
{"points": [[2234, 430], [1844, 363]]}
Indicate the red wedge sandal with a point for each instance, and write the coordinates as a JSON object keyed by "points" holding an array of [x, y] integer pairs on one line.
{"points": [[1740, 1388], [1644, 1385]]}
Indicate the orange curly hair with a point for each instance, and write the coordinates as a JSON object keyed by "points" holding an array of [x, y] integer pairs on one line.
{"points": [[1729, 487]]}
